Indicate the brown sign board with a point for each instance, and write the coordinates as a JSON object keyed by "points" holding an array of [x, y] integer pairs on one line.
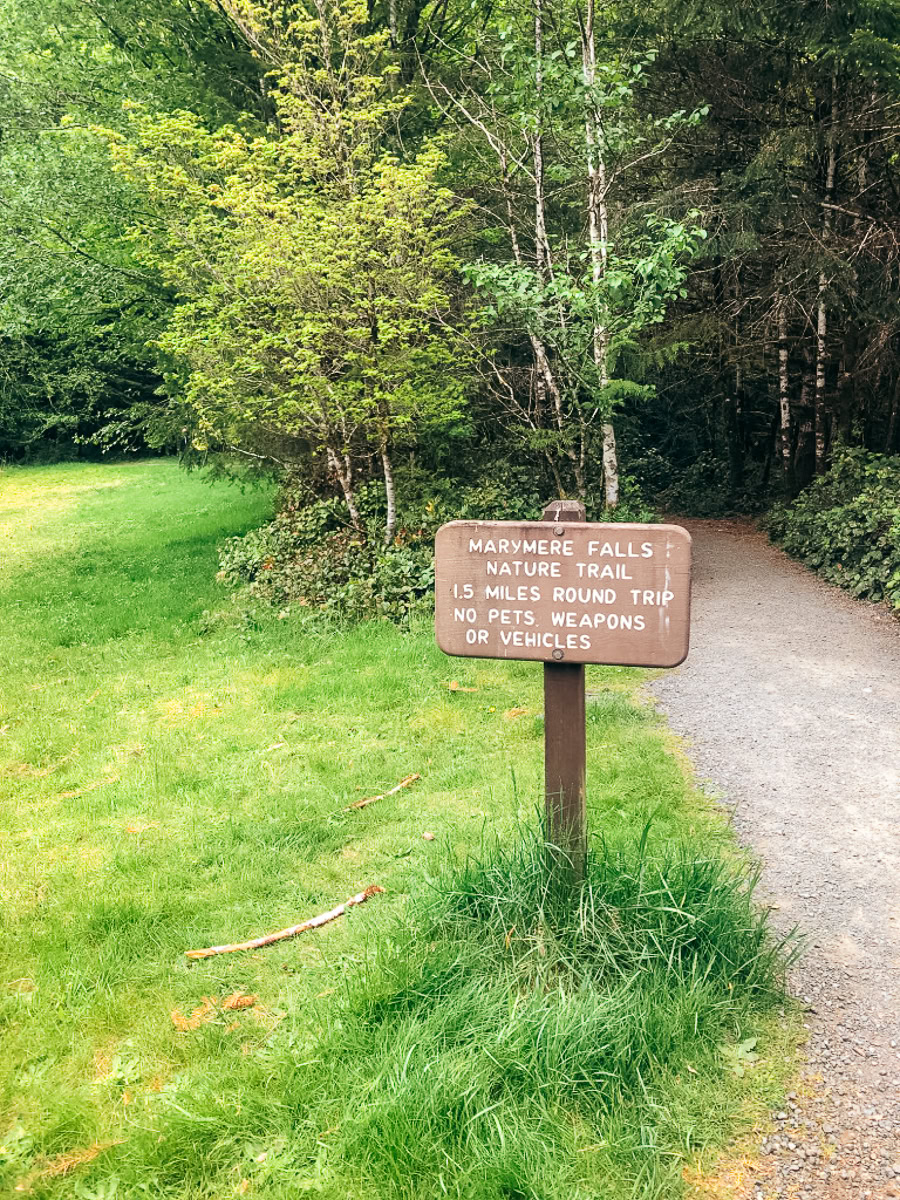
{"points": [[573, 592]]}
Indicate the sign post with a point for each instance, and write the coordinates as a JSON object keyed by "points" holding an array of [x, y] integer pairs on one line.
{"points": [[564, 592], [565, 738]]}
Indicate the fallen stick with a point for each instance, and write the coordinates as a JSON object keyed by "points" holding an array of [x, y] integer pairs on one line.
{"points": [[371, 799], [292, 930]]}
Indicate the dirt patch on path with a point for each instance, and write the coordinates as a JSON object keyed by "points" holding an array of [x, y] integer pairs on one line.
{"points": [[790, 705]]}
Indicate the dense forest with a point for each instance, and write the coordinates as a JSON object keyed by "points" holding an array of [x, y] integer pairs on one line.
{"points": [[446, 257]]}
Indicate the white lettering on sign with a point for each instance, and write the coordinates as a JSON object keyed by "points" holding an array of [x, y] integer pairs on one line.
{"points": [[594, 570], [573, 592], [546, 570], [533, 546]]}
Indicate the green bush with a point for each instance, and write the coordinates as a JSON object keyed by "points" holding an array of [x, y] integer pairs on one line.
{"points": [[846, 525], [310, 556]]}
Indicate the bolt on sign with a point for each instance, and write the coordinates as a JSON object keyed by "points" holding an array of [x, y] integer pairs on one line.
{"points": [[564, 592], [567, 592]]}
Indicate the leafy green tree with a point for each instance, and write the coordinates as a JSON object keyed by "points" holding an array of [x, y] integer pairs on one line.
{"points": [[77, 310], [569, 259], [314, 269]]}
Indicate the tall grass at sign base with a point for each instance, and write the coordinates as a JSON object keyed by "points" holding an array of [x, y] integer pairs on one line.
{"points": [[512, 1037]]}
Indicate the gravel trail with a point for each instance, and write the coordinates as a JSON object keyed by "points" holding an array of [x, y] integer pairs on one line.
{"points": [[790, 706]]}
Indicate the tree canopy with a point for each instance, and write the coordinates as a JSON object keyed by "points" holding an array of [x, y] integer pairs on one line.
{"points": [[648, 244]]}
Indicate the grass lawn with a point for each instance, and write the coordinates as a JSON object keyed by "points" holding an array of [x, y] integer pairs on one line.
{"points": [[170, 782]]}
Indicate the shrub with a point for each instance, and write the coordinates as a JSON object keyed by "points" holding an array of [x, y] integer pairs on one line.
{"points": [[846, 525], [309, 555]]}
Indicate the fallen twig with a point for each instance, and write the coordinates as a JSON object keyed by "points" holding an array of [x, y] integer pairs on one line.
{"points": [[371, 799], [292, 930]]}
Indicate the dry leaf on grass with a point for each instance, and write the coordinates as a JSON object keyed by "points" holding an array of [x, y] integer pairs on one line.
{"points": [[428, 837], [209, 1008], [453, 686], [205, 1011], [141, 827], [512, 713], [239, 1000], [404, 783]]}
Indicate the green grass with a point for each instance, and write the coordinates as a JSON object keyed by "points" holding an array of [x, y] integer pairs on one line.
{"points": [[170, 780]]}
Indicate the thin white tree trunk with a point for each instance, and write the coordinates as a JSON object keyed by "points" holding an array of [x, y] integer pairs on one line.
{"points": [[390, 527], [821, 308], [541, 245], [343, 472], [598, 236], [543, 254], [784, 396]]}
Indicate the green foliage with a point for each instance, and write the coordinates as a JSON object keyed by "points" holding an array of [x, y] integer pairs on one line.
{"points": [[846, 525], [701, 488], [76, 309], [312, 264], [503, 1029], [572, 272], [318, 562], [642, 275], [310, 556]]}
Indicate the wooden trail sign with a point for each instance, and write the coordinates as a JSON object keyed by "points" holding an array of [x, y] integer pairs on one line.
{"points": [[564, 592]]}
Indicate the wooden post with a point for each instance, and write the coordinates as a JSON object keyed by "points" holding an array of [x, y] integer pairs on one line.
{"points": [[564, 739]]}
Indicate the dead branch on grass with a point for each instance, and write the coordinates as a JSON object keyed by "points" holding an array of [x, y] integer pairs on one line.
{"points": [[371, 799], [292, 930]]}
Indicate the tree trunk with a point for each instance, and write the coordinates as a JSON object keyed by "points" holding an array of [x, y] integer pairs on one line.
{"points": [[610, 467], [543, 255], [821, 309], [545, 381], [342, 469], [541, 245], [821, 415], [390, 527], [804, 453], [598, 234], [784, 397], [554, 471]]}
